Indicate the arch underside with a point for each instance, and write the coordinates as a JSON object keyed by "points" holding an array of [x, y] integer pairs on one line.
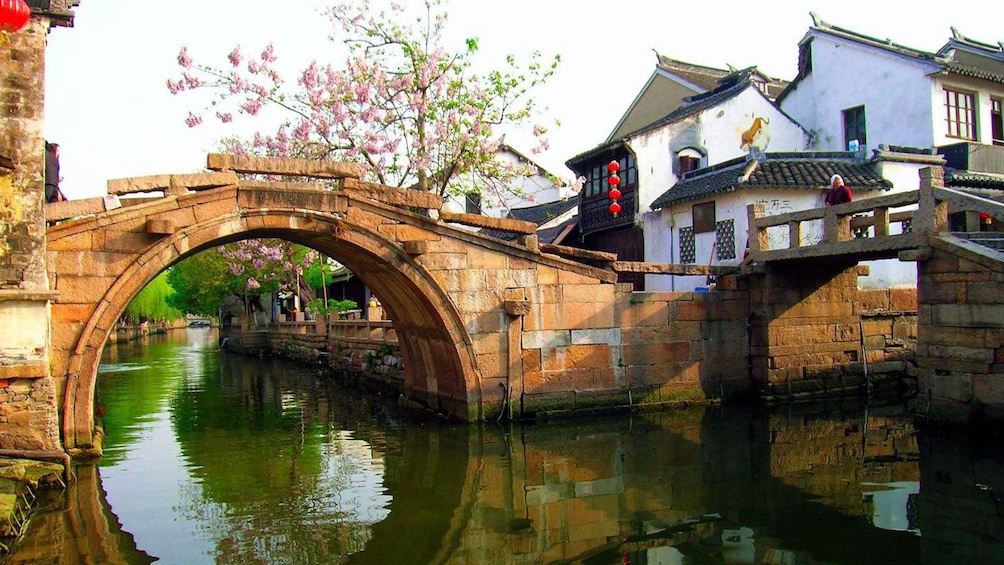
{"points": [[440, 365]]}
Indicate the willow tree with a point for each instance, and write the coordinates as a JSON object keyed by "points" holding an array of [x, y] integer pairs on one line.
{"points": [[153, 303], [410, 110]]}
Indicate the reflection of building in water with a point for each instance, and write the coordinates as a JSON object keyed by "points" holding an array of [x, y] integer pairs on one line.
{"points": [[696, 485]]}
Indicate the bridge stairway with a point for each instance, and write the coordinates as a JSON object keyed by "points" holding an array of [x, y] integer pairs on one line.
{"points": [[993, 240]]}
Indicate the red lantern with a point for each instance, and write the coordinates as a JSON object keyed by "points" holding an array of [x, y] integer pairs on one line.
{"points": [[14, 15], [615, 209], [613, 167], [615, 194], [614, 180]]}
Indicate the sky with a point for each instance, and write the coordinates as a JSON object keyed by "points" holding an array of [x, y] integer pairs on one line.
{"points": [[108, 106]]}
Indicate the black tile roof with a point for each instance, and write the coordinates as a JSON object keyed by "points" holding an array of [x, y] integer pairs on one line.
{"points": [[691, 105], [550, 235], [543, 213], [540, 215], [710, 78], [810, 171], [698, 75], [58, 10], [698, 103], [973, 179]]}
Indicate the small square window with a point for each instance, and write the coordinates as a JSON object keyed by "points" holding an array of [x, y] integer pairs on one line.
{"points": [[704, 217]]}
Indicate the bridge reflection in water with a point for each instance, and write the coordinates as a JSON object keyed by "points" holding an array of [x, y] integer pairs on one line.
{"points": [[220, 459]]}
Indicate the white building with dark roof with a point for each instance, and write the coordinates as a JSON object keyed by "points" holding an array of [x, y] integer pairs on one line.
{"points": [[855, 88], [725, 123]]}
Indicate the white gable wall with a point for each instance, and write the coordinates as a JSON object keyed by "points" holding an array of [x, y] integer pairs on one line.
{"points": [[718, 132], [894, 89]]}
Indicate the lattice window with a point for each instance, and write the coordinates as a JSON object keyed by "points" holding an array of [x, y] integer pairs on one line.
{"points": [[961, 107], [688, 246], [725, 236]]}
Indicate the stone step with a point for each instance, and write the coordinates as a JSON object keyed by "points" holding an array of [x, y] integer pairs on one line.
{"points": [[993, 240]]}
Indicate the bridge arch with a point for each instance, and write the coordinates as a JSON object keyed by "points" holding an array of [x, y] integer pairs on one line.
{"points": [[440, 363]]}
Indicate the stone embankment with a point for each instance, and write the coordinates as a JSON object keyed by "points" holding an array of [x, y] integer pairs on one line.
{"points": [[365, 348], [125, 333]]}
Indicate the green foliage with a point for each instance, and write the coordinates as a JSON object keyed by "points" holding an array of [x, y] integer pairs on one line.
{"points": [[318, 273], [316, 306], [154, 302], [201, 282]]}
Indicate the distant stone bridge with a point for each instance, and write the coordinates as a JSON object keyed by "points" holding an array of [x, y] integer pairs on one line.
{"points": [[486, 327]]}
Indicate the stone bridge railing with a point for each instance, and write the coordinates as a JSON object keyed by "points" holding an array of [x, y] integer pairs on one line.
{"points": [[866, 229], [842, 225]]}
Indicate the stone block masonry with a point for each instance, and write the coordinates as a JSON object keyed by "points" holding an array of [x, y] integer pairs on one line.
{"points": [[813, 333], [961, 339], [28, 413]]}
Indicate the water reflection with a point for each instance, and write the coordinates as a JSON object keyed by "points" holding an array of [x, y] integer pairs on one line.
{"points": [[214, 458]]}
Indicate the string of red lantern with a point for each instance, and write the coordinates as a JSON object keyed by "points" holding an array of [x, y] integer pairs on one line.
{"points": [[14, 15], [615, 193]]}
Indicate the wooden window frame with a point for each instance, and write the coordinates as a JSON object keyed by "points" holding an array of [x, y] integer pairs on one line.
{"points": [[960, 114], [472, 204], [855, 126], [997, 121]]}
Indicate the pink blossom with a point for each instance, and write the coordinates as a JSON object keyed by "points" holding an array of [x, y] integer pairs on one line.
{"points": [[268, 55], [191, 81], [225, 117], [235, 56], [252, 106], [183, 59], [175, 87], [302, 132], [192, 120], [253, 284]]}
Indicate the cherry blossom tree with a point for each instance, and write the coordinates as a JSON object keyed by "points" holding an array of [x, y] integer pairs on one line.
{"points": [[412, 112], [270, 265]]}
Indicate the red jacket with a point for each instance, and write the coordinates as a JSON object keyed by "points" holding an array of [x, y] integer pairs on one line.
{"points": [[838, 195]]}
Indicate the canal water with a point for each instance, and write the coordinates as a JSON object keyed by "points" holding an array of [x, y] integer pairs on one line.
{"points": [[217, 458]]}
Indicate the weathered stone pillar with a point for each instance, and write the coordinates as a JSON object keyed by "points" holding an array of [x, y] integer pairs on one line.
{"points": [[960, 335], [28, 410], [28, 396], [805, 329]]}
